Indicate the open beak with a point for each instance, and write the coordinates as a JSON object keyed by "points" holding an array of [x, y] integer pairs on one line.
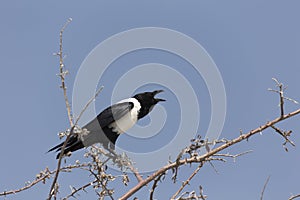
{"points": [[157, 92]]}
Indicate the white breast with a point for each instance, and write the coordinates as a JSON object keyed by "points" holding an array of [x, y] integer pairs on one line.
{"points": [[128, 120]]}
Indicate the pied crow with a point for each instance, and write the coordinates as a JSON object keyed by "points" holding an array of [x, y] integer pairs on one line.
{"points": [[112, 122]]}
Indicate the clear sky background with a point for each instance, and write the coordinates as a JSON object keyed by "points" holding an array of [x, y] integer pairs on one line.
{"points": [[250, 42]]}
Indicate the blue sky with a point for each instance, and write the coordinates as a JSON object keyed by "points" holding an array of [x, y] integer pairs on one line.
{"points": [[250, 42]]}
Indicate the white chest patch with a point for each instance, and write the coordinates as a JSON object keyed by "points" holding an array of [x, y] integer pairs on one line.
{"points": [[128, 120]]}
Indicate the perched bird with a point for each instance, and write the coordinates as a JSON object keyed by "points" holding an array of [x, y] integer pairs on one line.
{"points": [[112, 122]]}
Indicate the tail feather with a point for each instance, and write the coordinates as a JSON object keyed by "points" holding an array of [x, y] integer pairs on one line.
{"points": [[56, 147], [59, 146], [72, 145]]}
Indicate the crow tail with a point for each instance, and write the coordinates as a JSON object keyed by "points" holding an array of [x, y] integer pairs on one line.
{"points": [[73, 144]]}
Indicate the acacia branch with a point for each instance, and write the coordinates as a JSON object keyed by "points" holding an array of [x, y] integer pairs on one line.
{"points": [[155, 182], [88, 104], [187, 181], [135, 172], [42, 177], [201, 193], [62, 73], [74, 190], [103, 184], [64, 88], [120, 161], [202, 158], [54, 182], [70, 117], [285, 135], [281, 97], [31, 184], [234, 156]]}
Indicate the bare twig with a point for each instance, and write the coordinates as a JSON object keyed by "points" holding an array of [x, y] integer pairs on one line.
{"points": [[135, 172], [187, 181], [280, 91], [201, 158], [155, 182], [98, 180], [201, 193], [42, 177], [63, 86], [285, 135], [294, 197], [264, 188], [281, 97], [46, 175], [280, 85], [74, 190], [127, 163], [234, 156], [62, 73], [88, 104], [52, 189]]}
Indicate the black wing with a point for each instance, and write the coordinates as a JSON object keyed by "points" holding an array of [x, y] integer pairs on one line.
{"points": [[113, 113], [106, 117]]}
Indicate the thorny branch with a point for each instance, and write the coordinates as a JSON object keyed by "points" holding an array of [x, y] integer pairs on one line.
{"points": [[120, 160], [43, 176], [285, 135], [206, 157], [102, 179], [54, 186], [215, 157], [82, 188], [201, 193], [155, 183], [187, 181], [88, 104], [62, 73], [280, 91], [134, 171], [100, 175], [233, 156], [97, 168], [203, 158]]}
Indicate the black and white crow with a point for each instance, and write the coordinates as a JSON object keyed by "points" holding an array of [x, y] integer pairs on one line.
{"points": [[111, 122]]}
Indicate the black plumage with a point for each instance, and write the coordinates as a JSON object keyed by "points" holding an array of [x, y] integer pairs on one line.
{"points": [[112, 122]]}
